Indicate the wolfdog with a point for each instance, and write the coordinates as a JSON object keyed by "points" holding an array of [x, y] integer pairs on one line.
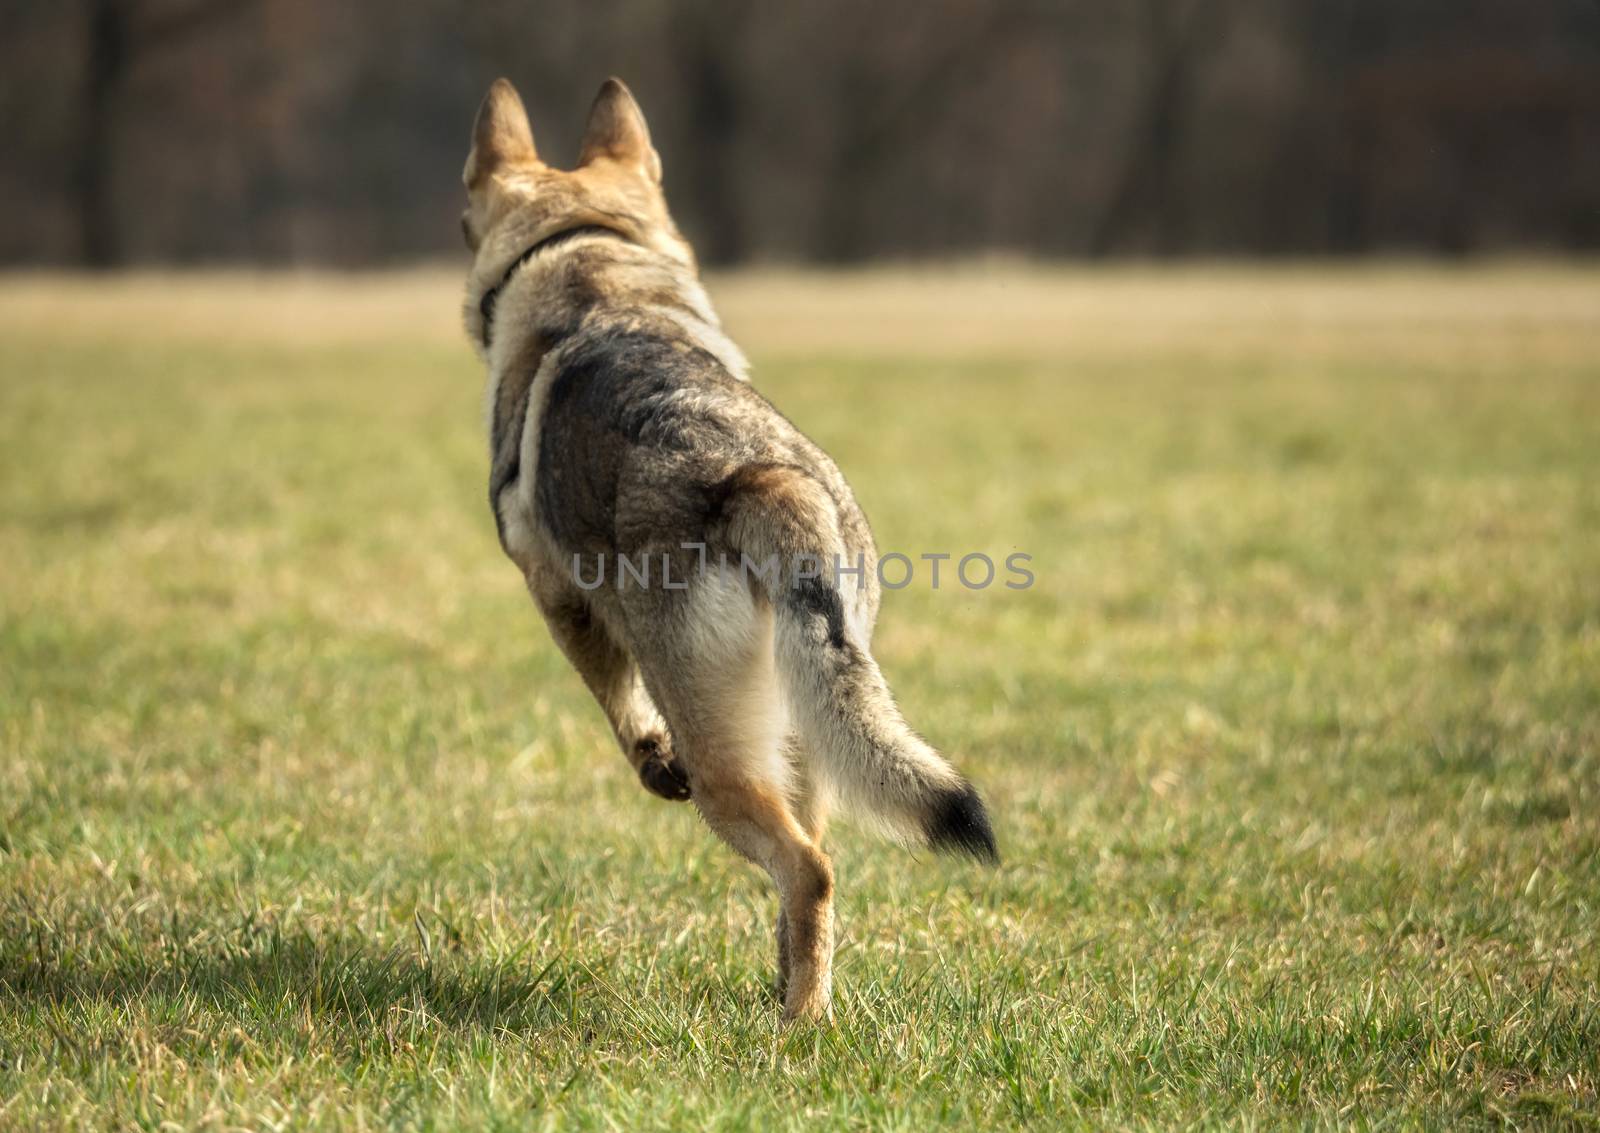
{"points": [[623, 427]]}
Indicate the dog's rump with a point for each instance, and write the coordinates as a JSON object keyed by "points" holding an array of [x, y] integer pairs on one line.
{"points": [[839, 701]]}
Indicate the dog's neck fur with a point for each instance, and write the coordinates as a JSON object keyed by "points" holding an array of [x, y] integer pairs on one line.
{"points": [[533, 296], [486, 305]]}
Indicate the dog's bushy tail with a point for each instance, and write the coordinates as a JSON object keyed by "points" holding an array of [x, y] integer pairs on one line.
{"points": [[881, 769]]}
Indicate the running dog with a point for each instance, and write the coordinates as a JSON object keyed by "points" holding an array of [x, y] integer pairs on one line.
{"points": [[728, 646]]}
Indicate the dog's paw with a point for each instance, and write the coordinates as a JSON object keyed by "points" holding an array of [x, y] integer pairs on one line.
{"points": [[660, 773]]}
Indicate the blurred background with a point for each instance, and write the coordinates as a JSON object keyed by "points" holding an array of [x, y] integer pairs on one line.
{"points": [[145, 132], [1270, 329]]}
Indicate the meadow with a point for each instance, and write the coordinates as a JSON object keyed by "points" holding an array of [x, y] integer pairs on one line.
{"points": [[1292, 748]]}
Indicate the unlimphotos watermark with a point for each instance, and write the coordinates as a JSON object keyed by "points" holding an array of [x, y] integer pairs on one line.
{"points": [[894, 570]]}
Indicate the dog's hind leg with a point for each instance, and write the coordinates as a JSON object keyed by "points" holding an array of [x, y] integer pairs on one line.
{"points": [[755, 820], [712, 673], [810, 801]]}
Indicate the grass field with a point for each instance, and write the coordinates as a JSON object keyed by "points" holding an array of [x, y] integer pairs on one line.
{"points": [[1293, 749]]}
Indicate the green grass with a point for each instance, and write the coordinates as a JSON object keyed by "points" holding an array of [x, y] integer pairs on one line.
{"points": [[1293, 749]]}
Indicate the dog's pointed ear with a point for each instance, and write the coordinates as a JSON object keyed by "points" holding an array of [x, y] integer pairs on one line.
{"points": [[617, 131], [501, 135]]}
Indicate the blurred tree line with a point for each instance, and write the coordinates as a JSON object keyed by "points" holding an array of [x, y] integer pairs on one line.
{"points": [[302, 131]]}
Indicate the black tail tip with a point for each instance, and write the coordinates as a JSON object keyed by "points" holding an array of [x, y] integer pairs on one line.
{"points": [[959, 824]]}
